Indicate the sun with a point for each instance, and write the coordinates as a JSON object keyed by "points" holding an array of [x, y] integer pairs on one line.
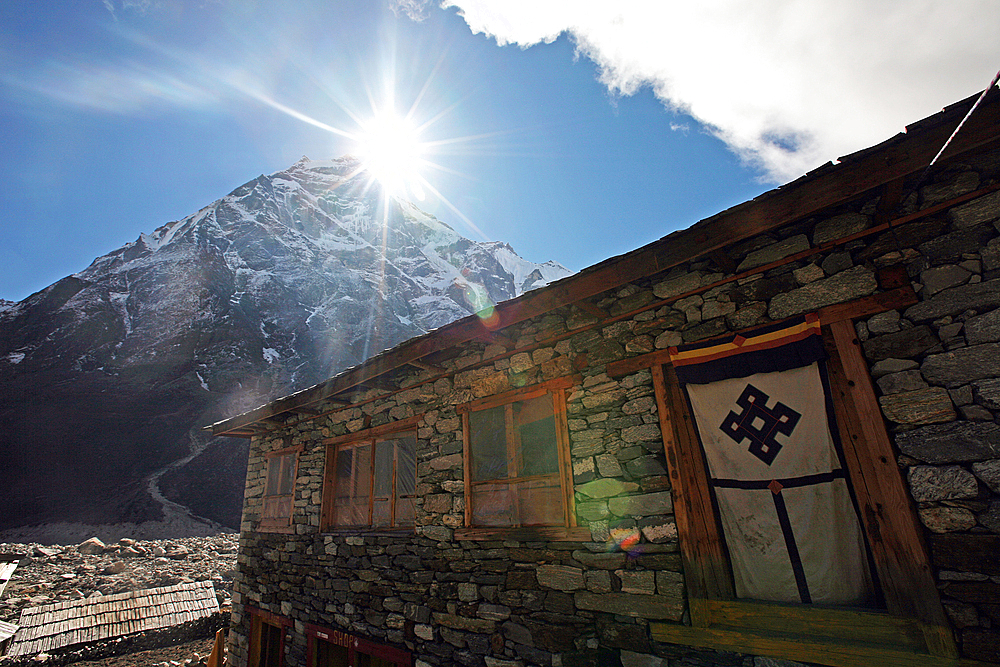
{"points": [[390, 150]]}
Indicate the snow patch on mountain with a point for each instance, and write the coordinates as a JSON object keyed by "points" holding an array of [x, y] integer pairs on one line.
{"points": [[277, 286]]}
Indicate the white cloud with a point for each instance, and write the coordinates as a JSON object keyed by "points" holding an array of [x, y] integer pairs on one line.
{"points": [[111, 8], [117, 89], [787, 85], [415, 10]]}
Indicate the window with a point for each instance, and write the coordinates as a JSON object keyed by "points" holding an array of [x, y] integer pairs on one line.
{"points": [[333, 648], [279, 490], [267, 638], [766, 428], [517, 472], [727, 613], [371, 477]]}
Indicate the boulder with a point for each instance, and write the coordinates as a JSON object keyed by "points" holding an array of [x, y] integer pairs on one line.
{"points": [[92, 546]]}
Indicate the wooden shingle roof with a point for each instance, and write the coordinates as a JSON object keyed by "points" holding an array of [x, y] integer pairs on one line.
{"points": [[7, 631], [55, 626]]}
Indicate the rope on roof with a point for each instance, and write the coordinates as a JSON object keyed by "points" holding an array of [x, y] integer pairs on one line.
{"points": [[926, 171], [974, 106]]}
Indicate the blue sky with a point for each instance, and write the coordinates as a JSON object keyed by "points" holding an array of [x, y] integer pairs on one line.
{"points": [[572, 130]]}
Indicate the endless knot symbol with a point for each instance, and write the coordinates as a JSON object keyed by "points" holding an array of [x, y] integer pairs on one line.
{"points": [[759, 423]]}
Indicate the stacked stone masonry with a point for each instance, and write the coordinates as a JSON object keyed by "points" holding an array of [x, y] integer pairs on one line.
{"points": [[504, 603]]}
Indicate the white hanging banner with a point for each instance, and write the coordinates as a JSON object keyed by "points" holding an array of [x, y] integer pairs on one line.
{"points": [[764, 420]]}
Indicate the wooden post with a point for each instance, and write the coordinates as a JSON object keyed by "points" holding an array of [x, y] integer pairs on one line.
{"points": [[888, 517], [704, 560], [217, 656]]}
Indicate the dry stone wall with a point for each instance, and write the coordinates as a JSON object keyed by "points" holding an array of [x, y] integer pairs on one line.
{"points": [[936, 372]]}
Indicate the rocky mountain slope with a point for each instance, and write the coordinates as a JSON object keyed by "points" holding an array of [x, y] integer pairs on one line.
{"points": [[107, 375]]}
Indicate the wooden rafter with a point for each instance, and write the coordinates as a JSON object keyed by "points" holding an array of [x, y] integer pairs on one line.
{"points": [[591, 309], [424, 366]]}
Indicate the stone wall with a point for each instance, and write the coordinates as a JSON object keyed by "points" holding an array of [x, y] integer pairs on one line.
{"points": [[936, 366]]}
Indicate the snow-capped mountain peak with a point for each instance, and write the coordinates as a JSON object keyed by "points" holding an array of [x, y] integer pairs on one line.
{"points": [[276, 286]]}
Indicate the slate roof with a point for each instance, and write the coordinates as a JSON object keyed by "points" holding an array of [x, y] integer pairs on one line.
{"points": [[55, 626]]}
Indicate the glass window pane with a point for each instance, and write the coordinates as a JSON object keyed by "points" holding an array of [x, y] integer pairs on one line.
{"points": [[345, 464], [287, 481], [406, 478], [362, 485], [404, 512], [383, 468], [537, 428], [350, 503], [382, 513], [406, 464], [273, 476], [488, 442], [492, 505], [540, 502]]}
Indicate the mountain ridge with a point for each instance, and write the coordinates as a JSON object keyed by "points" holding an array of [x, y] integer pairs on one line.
{"points": [[108, 373]]}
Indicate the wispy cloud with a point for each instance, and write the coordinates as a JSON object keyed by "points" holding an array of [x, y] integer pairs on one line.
{"points": [[415, 10], [787, 85], [140, 7], [118, 88]]}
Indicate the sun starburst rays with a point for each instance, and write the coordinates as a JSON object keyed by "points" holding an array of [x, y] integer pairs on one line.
{"points": [[390, 150]]}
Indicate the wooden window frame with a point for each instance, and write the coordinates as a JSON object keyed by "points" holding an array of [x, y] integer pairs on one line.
{"points": [[912, 631], [371, 436], [568, 531], [258, 617], [354, 645], [277, 509]]}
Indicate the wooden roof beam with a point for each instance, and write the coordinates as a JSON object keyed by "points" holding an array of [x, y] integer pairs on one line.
{"points": [[591, 309], [496, 338], [416, 363], [379, 383]]}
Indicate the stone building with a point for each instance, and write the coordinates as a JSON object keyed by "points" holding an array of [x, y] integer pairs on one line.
{"points": [[545, 483]]}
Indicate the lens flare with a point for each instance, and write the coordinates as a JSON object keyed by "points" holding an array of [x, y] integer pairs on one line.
{"points": [[390, 151], [624, 539], [479, 300]]}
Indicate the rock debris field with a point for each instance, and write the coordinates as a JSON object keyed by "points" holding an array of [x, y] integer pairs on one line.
{"points": [[56, 573], [53, 573]]}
